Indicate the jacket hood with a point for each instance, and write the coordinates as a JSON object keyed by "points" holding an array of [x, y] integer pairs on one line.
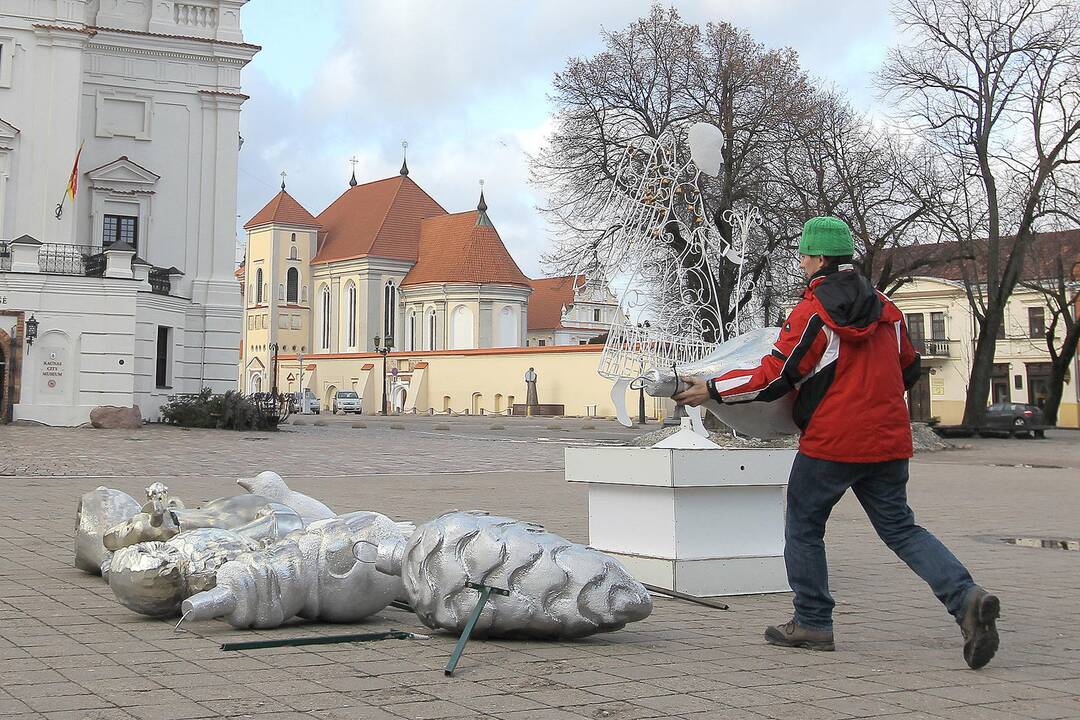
{"points": [[848, 304]]}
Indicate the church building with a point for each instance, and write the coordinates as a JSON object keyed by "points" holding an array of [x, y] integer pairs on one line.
{"points": [[384, 260]]}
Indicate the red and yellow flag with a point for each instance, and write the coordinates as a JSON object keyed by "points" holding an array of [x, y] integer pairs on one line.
{"points": [[72, 185], [73, 181]]}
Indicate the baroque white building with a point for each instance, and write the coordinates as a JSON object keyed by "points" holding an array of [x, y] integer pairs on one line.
{"points": [[131, 286]]}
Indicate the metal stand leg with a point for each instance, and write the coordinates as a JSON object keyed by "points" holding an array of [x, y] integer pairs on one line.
{"points": [[485, 593]]}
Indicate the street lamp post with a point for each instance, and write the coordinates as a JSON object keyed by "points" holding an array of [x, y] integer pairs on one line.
{"points": [[383, 346], [273, 381], [303, 397]]}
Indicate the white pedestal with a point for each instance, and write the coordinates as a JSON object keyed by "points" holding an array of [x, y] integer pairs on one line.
{"points": [[700, 522]]}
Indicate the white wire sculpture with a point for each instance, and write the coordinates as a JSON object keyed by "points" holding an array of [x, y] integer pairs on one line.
{"points": [[656, 243]]}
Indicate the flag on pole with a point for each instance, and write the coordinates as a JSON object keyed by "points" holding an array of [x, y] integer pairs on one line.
{"points": [[72, 185]]}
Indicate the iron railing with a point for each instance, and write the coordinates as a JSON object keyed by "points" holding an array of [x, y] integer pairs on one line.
{"points": [[67, 259], [159, 281]]}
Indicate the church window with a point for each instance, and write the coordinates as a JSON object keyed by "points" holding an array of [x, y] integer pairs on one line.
{"points": [[303, 295], [432, 326], [412, 331], [389, 307], [541, 342], [292, 252], [258, 286], [120, 228], [325, 318], [350, 300], [292, 282], [281, 291], [293, 237], [596, 315]]}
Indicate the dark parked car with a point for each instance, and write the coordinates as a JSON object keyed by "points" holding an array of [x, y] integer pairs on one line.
{"points": [[1015, 418]]}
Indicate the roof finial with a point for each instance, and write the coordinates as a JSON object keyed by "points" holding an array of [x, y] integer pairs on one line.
{"points": [[283, 174], [404, 159], [352, 180], [482, 206]]}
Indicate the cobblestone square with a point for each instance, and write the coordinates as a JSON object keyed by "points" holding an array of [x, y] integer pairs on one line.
{"points": [[69, 650]]}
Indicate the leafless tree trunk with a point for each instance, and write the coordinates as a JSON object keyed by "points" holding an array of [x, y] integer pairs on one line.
{"points": [[992, 86]]}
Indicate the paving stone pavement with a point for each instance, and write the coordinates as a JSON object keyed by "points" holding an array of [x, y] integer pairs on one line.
{"points": [[69, 650]]}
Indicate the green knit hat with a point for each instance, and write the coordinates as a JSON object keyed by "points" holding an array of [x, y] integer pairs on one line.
{"points": [[826, 236]]}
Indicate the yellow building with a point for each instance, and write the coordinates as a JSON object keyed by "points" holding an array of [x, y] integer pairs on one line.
{"points": [[943, 329]]}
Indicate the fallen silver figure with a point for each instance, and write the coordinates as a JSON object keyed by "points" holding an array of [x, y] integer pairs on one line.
{"points": [[153, 578], [558, 589], [764, 420], [253, 516], [311, 573], [99, 510], [271, 486]]}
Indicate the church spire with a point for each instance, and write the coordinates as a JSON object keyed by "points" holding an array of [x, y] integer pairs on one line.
{"points": [[482, 216], [404, 159], [352, 180], [283, 174]]}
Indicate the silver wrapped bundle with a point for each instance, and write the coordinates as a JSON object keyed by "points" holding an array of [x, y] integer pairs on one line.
{"points": [[764, 420], [558, 589], [250, 515], [311, 573], [99, 510], [153, 578]]}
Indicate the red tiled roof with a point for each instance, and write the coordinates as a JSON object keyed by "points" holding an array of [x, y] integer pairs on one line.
{"points": [[284, 210], [460, 248], [380, 218], [548, 298], [947, 260]]}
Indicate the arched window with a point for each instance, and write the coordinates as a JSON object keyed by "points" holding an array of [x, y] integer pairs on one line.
{"points": [[507, 330], [293, 238], [432, 327], [303, 295], [325, 318], [350, 301], [258, 287], [411, 340], [292, 282], [292, 250], [389, 308], [461, 327], [281, 291]]}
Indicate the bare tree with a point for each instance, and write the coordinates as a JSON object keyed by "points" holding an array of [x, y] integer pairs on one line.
{"points": [[993, 87], [1056, 255], [658, 75]]}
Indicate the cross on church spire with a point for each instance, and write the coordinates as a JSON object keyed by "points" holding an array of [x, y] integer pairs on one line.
{"points": [[283, 174], [352, 181], [404, 157]]}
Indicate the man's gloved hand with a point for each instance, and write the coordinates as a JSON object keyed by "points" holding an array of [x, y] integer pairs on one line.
{"points": [[695, 393]]}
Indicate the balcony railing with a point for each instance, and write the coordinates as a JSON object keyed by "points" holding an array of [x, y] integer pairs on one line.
{"points": [[936, 348], [65, 259], [159, 281]]}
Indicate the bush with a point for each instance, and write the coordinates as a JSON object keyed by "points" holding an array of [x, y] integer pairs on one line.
{"points": [[231, 411]]}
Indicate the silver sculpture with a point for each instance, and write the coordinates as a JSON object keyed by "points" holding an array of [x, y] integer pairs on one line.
{"points": [[99, 510], [744, 352], [253, 516], [312, 574], [271, 486], [558, 589], [153, 578]]}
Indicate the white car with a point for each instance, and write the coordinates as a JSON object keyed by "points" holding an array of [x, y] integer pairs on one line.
{"points": [[346, 401], [299, 400]]}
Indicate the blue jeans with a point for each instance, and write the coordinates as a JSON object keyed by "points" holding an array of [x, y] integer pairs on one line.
{"points": [[814, 487]]}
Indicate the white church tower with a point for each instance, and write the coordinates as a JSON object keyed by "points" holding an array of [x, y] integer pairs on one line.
{"points": [[129, 284]]}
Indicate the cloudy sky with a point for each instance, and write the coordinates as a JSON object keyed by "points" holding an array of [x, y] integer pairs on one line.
{"points": [[466, 83]]}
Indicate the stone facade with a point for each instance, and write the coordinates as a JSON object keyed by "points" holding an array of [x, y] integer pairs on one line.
{"points": [[147, 96]]}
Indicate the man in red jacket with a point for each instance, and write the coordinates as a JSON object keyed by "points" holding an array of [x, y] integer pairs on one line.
{"points": [[845, 350]]}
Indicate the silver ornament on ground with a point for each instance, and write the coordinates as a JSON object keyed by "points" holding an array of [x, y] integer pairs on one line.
{"points": [[153, 578], [311, 573], [97, 511], [271, 486], [558, 589]]}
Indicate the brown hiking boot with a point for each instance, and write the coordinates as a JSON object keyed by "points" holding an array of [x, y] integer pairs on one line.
{"points": [[981, 610], [791, 634]]}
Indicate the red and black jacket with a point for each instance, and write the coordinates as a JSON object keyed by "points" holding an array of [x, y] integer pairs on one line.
{"points": [[846, 350]]}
